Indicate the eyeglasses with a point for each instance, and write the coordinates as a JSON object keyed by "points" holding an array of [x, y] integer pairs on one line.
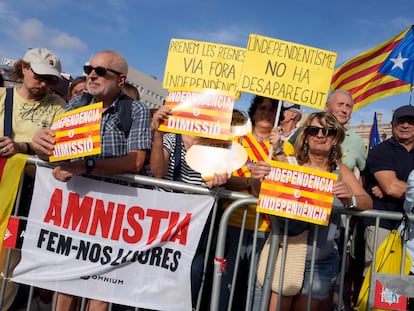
{"points": [[51, 80], [100, 71], [326, 131]]}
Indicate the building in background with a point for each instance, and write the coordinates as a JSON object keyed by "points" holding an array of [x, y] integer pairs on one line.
{"points": [[150, 89], [364, 129]]}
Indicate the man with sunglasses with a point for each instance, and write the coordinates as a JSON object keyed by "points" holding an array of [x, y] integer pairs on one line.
{"points": [[105, 76], [121, 152], [23, 111]]}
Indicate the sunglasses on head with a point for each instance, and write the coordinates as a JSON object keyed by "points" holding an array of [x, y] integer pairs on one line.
{"points": [[100, 71], [326, 131], [51, 80]]}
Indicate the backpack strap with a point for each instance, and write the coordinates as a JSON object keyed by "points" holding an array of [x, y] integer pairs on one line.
{"points": [[8, 113], [124, 110]]}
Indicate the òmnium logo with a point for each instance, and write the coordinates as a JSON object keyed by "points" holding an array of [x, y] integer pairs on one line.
{"points": [[104, 279]]}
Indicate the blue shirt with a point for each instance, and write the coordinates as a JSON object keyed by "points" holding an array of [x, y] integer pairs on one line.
{"points": [[389, 155]]}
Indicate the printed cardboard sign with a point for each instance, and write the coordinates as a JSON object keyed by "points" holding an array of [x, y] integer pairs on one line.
{"points": [[199, 65], [206, 113], [287, 71], [297, 192], [77, 133]]}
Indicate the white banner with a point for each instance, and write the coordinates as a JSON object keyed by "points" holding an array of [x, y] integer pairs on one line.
{"points": [[114, 243]]}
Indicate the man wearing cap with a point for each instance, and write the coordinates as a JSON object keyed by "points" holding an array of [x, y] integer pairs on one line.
{"points": [[34, 107], [31, 107], [290, 117], [388, 166]]}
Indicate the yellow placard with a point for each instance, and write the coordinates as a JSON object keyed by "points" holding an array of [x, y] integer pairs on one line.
{"points": [[287, 71], [78, 133], [199, 65], [205, 113], [297, 192]]}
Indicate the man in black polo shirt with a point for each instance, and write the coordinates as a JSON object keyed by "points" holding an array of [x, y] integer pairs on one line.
{"points": [[387, 168]]}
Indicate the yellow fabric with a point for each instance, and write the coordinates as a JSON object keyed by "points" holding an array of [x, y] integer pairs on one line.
{"points": [[9, 185], [288, 148], [255, 152], [388, 260], [28, 117]]}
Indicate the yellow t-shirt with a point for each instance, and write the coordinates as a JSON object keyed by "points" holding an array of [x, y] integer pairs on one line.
{"points": [[29, 117]]}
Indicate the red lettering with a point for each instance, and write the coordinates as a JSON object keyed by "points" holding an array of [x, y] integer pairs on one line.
{"points": [[135, 226], [157, 216], [102, 217], [76, 214], [173, 223], [182, 230], [54, 213], [118, 222]]}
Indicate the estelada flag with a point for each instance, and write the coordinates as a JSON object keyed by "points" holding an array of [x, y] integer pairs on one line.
{"points": [[384, 70], [374, 136], [11, 170]]}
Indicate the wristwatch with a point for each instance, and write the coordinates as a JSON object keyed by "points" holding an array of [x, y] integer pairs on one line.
{"points": [[354, 202], [89, 165]]}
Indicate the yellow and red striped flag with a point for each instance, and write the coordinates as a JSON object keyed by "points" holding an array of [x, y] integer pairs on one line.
{"points": [[11, 171], [382, 71]]}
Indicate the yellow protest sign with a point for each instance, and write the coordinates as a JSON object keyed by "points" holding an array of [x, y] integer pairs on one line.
{"points": [[206, 113], [297, 192], [287, 71], [77, 133], [203, 65]]}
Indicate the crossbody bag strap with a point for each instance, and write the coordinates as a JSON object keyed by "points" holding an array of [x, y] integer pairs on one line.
{"points": [[177, 157], [8, 113]]}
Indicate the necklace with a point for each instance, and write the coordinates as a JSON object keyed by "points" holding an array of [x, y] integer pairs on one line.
{"points": [[259, 138]]}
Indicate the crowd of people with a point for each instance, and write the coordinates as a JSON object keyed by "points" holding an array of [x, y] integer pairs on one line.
{"points": [[131, 141]]}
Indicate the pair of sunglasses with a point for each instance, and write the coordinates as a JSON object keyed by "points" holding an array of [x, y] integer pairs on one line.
{"points": [[100, 71], [326, 131], [50, 80]]}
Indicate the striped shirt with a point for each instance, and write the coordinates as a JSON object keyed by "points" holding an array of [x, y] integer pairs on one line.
{"points": [[187, 174]]}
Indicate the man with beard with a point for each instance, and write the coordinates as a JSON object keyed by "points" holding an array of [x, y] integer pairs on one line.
{"points": [[23, 111]]}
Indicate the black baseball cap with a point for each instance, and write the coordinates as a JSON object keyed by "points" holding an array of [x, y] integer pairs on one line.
{"points": [[403, 111]]}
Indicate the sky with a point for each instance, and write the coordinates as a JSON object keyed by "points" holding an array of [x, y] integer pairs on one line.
{"points": [[141, 30]]}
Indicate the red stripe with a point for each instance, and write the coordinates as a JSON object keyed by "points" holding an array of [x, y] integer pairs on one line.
{"points": [[365, 72], [3, 161], [380, 88], [387, 49], [256, 152]]}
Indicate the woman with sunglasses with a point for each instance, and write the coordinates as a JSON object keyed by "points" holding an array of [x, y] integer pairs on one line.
{"points": [[318, 146]]}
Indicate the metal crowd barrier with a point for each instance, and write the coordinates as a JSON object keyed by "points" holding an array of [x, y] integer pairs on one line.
{"points": [[240, 200], [273, 252]]}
